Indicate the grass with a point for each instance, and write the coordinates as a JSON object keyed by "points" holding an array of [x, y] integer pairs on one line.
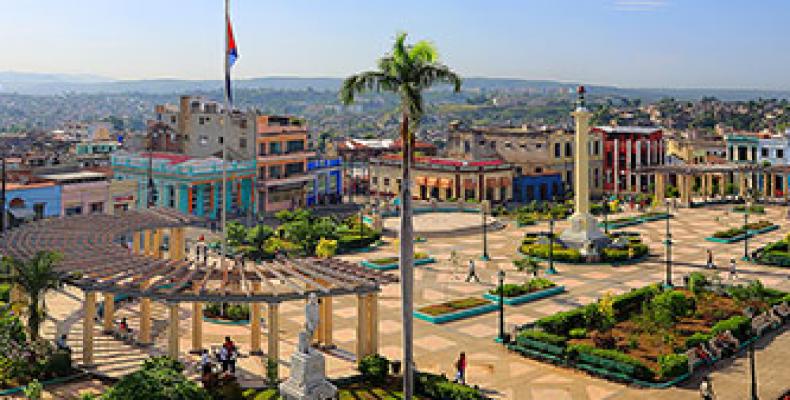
{"points": [[453, 306]]}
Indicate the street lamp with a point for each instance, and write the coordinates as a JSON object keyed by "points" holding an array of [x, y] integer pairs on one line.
{"points": [[550, 270], [747, 204], [605, 215], [501, 276], [668, 244], [485, 256]]}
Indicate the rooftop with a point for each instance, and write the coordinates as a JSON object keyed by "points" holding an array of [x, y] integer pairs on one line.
{"points": [[71, 176], [639, 130]]}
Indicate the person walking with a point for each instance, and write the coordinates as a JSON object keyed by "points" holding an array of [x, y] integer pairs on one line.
{"points": [[232, 353], [706, 389], [472, 274], [710, 264], [224, 358], [733, 270], [205, 362], [460, 369]]}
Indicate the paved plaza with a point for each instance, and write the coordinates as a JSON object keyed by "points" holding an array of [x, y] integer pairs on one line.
{"points": [[501, 373]]}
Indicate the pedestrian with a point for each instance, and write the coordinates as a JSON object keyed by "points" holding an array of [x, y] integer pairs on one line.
{"points": [[472, 273], [706, 389], [62, 343], [710, 264], [205, 362], [733, 271], [460, 369], [224, 358], [231, 352]]}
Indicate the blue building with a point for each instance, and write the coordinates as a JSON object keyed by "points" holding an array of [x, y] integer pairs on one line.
{"points": [[31, 201], [326, 187], [537, 187]]}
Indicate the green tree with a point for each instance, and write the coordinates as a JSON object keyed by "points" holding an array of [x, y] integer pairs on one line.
{"points": [[36, 276], [407, 71], [256, 241], [159, 378]]}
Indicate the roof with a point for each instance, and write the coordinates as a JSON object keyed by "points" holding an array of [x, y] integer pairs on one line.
{"points": [[26, 186], [448, 161], [639, 130], [384, 144], [172, 158], [68, 176]]}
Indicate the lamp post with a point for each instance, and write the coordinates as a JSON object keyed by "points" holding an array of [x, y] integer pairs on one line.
{"points": [[668, 243], [501, 276], [752, 372], [605, 215], [151, 189], [485, 256], [550, 270], [746, 234]]}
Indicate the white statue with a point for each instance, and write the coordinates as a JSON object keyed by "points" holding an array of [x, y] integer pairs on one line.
{"points": [[311, 316]]}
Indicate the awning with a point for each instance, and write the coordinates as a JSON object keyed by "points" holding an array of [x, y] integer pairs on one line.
{"points": [[22, 213]]}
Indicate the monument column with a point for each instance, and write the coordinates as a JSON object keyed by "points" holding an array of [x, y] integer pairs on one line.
{"points": [[89, 313]]}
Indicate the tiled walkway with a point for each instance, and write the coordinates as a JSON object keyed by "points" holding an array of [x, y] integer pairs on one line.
{"points": [[507, 375]]}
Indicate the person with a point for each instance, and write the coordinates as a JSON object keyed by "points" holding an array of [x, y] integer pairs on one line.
{"points": [[231, 353], [710, 264], [472, 273], [224, 358], [205, 362], [733, 271], [62, 344], [706, 389], [460, 369]]}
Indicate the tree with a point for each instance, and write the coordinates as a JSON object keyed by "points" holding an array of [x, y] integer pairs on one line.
{"points": [[407, 71], [255, 242], [159, 378], [36, 276]]}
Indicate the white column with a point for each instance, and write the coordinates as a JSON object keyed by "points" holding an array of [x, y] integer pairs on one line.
{"points": [[616, 167], [628, 171]]}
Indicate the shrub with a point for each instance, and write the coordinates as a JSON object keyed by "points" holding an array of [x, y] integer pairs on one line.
{"points": [[578, 333], [672, 365], [562, 322], [739, 325], [525, 219], [438, 387], [631, 302], [326, 248], [544, 337], [697, 338], [633, 366], [34, 390], [5, 293], [535, 284], [560, 253], [611, 254], [58, 364], [510, 290], [697, 282], [160, 378], [374, 368], [674, 303]]}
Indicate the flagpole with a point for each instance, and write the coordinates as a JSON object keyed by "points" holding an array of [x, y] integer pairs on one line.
{"points": [[223, 212]]}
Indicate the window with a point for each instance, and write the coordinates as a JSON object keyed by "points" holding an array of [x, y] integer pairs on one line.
{"points": [[262, 149], [76, 210], [295, 146], [482, 143], [38, 208], [203, 140], [595, 177], [275, 171], [467, 147], [568, 149], [492, 144], [220, 140], [275, 148], [243, 124], [172, 119], [538, 170], [386, 181], [242, 143], [374, 180], [262, 172], [201, 120], [294, 169], [596, 147], [764, 152], [780, 153], [557, 150]]}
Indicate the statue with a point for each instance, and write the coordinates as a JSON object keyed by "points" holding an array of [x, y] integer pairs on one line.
{"points": [[311, 319]]}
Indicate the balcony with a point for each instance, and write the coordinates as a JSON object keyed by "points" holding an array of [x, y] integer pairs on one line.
{"points": [[296, 155]]}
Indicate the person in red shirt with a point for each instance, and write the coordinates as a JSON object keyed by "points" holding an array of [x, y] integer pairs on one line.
{"points": [[460, 367]]}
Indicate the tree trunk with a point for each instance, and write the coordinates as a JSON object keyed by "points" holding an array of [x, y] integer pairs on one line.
{"points": [[407, 259], [32, 318]]}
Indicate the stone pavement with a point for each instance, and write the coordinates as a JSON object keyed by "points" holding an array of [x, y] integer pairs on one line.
{"points": [[506, 375]]}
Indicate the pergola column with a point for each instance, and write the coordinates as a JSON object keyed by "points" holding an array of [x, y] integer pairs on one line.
{"points": [[325, 324], [136, 242], [274, 332], [684, 188], [156, 251], [109, 312], [362, 326], [145, 321], [373, 322], [176, 248], [172, 331], [89, 313], [147, 239], [660, 188], [723, 183], [255, 323], [197, 328]]}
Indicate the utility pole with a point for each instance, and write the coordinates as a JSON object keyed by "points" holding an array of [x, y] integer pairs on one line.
{"points": [[2, 197]]}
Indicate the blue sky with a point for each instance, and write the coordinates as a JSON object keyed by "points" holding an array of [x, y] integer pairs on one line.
{"points": [[632, 43]]}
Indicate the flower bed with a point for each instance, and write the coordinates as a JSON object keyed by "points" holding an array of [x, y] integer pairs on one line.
{"points": [[534, 289], [737, 234], [454, 310], [390, 263], [627, 247], [642, 336]]}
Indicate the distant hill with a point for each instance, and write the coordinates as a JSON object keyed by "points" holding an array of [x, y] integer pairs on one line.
{"points": [[50, 84]]}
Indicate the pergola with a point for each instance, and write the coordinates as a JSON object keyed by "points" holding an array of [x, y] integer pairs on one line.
{"points": [[97, 258], [774, 180]]}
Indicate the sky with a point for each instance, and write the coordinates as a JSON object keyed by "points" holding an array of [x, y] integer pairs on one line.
{"points": [[627, 43]]}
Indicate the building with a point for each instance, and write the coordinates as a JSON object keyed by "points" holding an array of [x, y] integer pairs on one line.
{"points": [[95, 153], [532, 151], [123, 195], [545, 186], [774, 149], [327, 184], [282, 156], [194, 128], [742, 148], [191, 185], [694, 150], [82, 192], [31, 201], [445, 179], [357, 153], [626, 149]]}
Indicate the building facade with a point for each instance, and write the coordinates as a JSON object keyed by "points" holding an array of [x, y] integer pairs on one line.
{"points": [[626, 149], [83, 192], [743, 148], [282, 156], [190, 185], [327, 184], [31, 201], [694, 151], [445, 179], [123, 195]]}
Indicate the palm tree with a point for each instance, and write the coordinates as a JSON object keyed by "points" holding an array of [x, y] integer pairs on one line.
{"points": [[407, 71], [35, 276]]}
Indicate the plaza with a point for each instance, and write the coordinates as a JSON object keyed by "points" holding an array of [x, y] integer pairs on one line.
{"points": [[500, 373]]}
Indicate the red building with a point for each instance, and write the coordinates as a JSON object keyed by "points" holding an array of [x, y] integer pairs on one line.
{"points": [[625, 149]]}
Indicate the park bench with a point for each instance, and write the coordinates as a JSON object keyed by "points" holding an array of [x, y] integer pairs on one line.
{"points": [[605, 367], [542, 350], [761, 323]]}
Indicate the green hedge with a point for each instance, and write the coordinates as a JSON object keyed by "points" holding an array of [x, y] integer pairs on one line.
{"points": [[631, 302], [562, 322], [738, 325], [697, 338], [374, 368], [5, 292], [560, 254], [439, 387], [544, 337], [672, 365], [631, 366]]}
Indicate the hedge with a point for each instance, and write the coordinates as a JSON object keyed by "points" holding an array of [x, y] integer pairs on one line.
{"points": [[697, 338], [5, 292], [559, 254], [672, 365], [628, 303], [562, 322], [544, 337], [738, 325], [634, 367], [439, 387]]}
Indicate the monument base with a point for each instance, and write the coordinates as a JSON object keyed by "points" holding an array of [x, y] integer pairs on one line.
{"points": [[308, 378], [585, 236]]}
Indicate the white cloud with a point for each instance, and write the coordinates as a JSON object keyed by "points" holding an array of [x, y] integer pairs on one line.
{"points": [[639, 5]]}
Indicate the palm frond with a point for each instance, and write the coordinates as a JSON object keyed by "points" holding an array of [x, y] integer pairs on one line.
{"points": [[363, 82], [423, 52], [430, 74]]}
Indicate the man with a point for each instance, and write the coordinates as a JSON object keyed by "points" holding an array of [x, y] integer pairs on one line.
{"points": [[62, 344], [706, 389], [472, 273], [710, 264], [460, 369], [733, 271]]}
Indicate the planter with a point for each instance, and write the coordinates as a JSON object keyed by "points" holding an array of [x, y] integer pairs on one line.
{"points": [[525, 298], [743, 236], [460, 314], [391, 266]]}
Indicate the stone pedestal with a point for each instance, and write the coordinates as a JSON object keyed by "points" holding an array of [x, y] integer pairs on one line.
{"points": [[585, 235], [308, 378]]}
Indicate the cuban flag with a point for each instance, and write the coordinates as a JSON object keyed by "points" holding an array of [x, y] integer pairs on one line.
{"points": [[231, 54]]}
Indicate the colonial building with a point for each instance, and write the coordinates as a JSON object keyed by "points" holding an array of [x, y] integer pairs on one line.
{"points": [[699, 150], [445, 179], [191, 185], [327, 184], [282, 157], [626, 149], [532, 151]]}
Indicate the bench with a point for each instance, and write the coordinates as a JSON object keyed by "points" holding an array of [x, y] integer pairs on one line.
{"points": [[782, 309], [540, 350], [761, 323]]}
